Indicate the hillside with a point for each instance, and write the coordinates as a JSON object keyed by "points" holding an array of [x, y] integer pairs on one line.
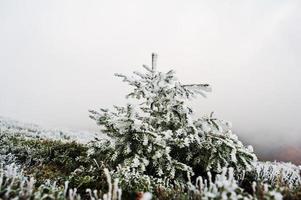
{"points": [[154, 147], [30, 130]]}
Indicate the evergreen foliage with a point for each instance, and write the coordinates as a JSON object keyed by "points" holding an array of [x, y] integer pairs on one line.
{"points": [[158, 136]]}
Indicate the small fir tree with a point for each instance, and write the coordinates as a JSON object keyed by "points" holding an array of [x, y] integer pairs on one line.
{"points": [[158, 139]]}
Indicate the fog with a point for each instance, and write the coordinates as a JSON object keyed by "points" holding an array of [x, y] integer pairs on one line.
{"points": [[57, 59]]}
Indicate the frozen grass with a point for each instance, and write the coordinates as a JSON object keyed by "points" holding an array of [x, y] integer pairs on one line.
{"points": [[54, 167]]}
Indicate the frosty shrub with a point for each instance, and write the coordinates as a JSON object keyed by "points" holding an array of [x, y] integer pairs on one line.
{"points": [[278, 173], [225, 186], [156, 134]]}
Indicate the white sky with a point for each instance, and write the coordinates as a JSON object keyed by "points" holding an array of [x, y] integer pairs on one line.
{"points": [[57, 59]]}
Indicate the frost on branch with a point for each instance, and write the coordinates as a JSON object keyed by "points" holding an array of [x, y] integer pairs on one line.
{"points": [[158, 135], [217, 148]]}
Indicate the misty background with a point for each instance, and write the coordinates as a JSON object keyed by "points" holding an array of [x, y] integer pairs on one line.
{"points": [[57, 60]]}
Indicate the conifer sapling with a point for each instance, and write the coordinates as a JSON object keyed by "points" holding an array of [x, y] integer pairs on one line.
{"points": [[157, 137]]}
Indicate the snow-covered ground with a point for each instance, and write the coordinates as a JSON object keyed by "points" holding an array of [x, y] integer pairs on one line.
{"points": [[13, 127]]}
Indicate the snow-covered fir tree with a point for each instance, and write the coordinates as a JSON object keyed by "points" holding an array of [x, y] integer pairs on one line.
{"points": [[157, 137]]}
